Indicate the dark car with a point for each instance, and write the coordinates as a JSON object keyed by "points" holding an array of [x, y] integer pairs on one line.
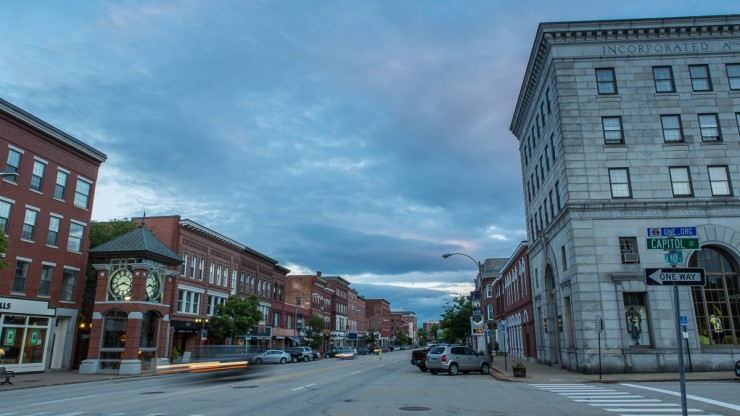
{"points": [[303, 353], [737, 368], [363, 351], [341, 352]]}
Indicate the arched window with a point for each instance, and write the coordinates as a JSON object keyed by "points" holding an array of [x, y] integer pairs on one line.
{"points": [[716, 304], [114, 339]]}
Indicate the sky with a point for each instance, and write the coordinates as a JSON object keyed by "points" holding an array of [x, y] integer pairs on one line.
{"points": [[362, 139]]}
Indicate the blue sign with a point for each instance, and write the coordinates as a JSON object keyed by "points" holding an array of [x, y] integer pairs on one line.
{"points": [[672, 232], [684, 320], [503, 326]]}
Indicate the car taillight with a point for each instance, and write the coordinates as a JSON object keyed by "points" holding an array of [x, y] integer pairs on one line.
{"points": [[444, 358]]}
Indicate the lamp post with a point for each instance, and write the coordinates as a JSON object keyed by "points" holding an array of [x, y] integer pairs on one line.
{"points": [[476, 316], [202, 322]]}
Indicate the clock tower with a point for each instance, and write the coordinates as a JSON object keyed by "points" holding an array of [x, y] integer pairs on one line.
{"points": [[131, 316]]}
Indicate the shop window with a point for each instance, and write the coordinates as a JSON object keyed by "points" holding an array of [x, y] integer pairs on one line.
{"points": [[715, 304], [24, 339], [114, 340], [149, 340], [636, 319]]}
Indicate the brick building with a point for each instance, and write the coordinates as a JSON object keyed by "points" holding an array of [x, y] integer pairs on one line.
{"points": [[46, 201], [379, 319], [512, 291]]}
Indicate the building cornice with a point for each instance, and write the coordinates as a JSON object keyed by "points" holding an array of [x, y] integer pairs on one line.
{"points": [[552, 33]]}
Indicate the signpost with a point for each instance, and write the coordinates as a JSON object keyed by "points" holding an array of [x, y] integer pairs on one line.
{"points": [[673, 239], [693, 276], [672, 243]]}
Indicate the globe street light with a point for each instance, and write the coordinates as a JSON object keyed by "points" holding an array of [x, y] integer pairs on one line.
{"points": [[478, 264], [476, 317]]}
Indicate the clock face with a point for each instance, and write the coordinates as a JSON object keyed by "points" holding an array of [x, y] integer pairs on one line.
{"points": [[120, 282], [153, 286]]}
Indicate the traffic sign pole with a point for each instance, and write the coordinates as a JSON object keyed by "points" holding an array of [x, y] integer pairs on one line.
{"points": [[682, 372]]}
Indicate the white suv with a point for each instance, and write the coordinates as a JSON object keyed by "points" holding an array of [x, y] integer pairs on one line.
{"points": [[456, 358]]}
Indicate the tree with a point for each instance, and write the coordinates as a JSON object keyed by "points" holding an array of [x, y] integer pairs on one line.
{"points": [[402, 338], [423, 337], [313, 333], [369, 338], [456, 319], [4, 244], [235, 317]]}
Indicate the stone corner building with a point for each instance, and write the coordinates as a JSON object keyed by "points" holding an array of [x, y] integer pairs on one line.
{"points": [[625, 125]]}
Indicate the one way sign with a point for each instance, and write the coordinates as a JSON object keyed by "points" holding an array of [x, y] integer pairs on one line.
{"points": [[675, 276]]}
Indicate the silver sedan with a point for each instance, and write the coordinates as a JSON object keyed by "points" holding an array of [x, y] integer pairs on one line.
{"points": [[272, 356]]}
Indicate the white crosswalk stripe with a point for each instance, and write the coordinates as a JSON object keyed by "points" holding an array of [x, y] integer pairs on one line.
{"points": [[611, 400]]}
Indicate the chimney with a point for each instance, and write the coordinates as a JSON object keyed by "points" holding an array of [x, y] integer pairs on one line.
{"points": [[318, 274]]}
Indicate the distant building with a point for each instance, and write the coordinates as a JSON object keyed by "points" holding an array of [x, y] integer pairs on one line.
{"points": [[405, 322], [512, 291], [45, 211], [625, 126], [379, 319]]}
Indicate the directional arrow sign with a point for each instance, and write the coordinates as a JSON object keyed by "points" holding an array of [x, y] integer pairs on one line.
{"points": [[675, 276]]}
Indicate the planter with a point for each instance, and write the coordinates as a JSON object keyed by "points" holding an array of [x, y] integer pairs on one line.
{"points": [[520, 372]]}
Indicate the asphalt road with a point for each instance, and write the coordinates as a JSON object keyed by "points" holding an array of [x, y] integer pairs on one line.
{"points": [[364, 386]]}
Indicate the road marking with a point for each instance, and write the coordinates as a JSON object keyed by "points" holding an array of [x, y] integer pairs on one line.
{"points": [[355, 372], [673, 410], [60, 400], [306, 386], [688, 396]]}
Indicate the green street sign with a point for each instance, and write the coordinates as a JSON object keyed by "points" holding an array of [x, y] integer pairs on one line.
{"points": [[673, 244], [673, 258]]}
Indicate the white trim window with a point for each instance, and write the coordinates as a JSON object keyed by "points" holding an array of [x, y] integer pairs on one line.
{"points": [[4, 215], [212, 273], [184, 266], [29, 224], [60, 187], [76, 233], [12, 165], [52, 238], [45, 282], [82, 193], [188, 301], [213, 300], [37, 176], [69, 281], [21, 275]]}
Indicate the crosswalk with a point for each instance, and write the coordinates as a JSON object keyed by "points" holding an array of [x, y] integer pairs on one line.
{"points": [[612, 400]]}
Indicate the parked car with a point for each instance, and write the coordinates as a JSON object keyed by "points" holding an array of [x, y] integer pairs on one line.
{"points": [[302, 353], [456, 358], [341, 352], [419, 358], [737, 368], [363, 351], [272, 356]]}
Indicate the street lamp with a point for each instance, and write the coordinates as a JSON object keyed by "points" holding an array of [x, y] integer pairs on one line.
{"points": [[476, 318], [202, 322]]}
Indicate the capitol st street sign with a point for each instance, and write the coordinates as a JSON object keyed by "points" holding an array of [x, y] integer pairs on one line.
{"points": [[692, 276]]}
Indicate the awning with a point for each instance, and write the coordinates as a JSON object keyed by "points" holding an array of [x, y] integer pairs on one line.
{"points": [[296, 340]]}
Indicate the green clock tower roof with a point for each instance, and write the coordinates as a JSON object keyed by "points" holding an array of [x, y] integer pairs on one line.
{"points": [[137, 243]]}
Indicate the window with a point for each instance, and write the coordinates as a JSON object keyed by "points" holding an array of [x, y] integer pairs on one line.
{"points": [[700, 80], [37, 177], [488, 291], [733, 76], [60, 189], [13, 164], [188, 301], [663, 76], [709, 127], [715, 304], [4, 215], [719, 180], [193, 263], [606, 82], [619, 178], [213, 301], [672, 131], [737, 120], [548, 97], [76, 232], [82, 194], [52, 239], [681, 181], [201, 268], [184, 266], [552, 145], [628, 250], [547, 157], [19, 279], [612, 130], [45, 283], [29, 224], [542, 114], [552, 206], [212, 273], [636, 319], [563, 258], [557, 196], [489, 311], [69, 280]]}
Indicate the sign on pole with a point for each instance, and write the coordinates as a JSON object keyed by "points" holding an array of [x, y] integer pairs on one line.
{"points": [[669, 243], [673, 258], [674, 276], [672, 232]]}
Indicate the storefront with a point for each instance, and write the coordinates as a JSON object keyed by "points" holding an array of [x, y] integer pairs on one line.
{"points": [[25, 334]]}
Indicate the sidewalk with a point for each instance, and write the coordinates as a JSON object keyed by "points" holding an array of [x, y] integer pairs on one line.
{"points": [[540, 373], [54, 378]]}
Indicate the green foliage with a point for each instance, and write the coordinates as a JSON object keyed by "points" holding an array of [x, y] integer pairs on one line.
{"points": [[423, 337], [456, 319], [4, 244], [402, 338], [313, 332], [101, 232], [370, 337], [235, 317]]}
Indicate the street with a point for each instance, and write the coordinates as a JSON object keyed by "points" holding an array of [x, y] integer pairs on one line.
{"points": [[366, 385]]}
